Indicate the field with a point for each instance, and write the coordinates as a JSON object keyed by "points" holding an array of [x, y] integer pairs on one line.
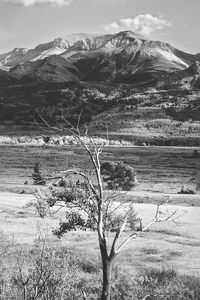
{"points": [[160, 170], [161, 173], [164, 246]]}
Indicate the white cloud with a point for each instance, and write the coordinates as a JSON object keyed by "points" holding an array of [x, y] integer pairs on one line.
{"points": [[143, 24], [34, 2]]}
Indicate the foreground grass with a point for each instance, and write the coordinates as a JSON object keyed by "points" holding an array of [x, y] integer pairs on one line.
{"points": [[165, 244], [43, 271]]}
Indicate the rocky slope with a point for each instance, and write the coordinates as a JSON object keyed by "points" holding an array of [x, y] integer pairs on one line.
{"points": [[55, 47], [124, 57]]}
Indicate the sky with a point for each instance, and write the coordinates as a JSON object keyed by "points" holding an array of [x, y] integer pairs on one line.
{"points": [[27, 23]]}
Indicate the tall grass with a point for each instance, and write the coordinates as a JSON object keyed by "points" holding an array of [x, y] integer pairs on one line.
{"points": [[48, 272]]}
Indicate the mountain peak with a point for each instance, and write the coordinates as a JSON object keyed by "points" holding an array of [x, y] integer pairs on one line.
{"points": [[123, 57], [60, 43], [128, 34], [20, 50]]}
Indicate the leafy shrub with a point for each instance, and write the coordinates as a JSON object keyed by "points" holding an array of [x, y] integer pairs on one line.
{"points": [[40, 206], [118, 175]]}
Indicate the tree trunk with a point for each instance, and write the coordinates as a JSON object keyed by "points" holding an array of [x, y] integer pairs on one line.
{"points": [[25, 293], [107, 268], [106, 288]]}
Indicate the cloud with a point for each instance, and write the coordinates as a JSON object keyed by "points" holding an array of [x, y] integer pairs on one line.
{"points": [[142, 24], [34, 2]]}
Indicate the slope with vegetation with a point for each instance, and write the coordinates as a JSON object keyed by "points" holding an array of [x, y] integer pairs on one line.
{"points": [[141, 90], [151, 116]]}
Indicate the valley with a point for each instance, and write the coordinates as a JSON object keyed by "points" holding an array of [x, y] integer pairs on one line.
{"points": [[141, 91], [160, 170], [141, 99], [99, 150]]}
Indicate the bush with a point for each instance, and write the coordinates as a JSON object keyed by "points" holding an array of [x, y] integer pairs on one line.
{"points": [[37, 176], [42, 272], [40, 206], [118, 175]]}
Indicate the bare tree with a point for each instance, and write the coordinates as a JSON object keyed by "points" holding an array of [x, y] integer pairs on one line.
{"points": [[90, 205]]}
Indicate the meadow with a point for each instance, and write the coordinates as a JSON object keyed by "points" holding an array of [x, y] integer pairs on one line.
{"points": [[161, 172]]}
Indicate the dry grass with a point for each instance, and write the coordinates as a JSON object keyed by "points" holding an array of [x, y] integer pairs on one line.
{"points": [[161, 173], [159, 169], [164, 245]]}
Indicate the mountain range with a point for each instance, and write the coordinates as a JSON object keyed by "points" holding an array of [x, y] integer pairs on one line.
{"points": [[141, 90], [125, 57]]}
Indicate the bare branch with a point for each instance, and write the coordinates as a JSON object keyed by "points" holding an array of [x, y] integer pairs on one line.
{"points": [[79, 119], [157, 219], [119, 232], [47, 124], [84, 295], [43, 129], [75, 172], [132, 236]]}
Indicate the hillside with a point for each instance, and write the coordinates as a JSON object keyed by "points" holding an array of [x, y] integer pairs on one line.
{"points": [[143, 116], [140, 90], [50, 69]]}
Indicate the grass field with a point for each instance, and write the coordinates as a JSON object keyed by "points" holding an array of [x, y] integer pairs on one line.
{"points": [[159, 169], [165, 245], [161, 173]]}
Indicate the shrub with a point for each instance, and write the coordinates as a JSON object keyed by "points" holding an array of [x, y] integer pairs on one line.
{"points": [[37, 177], [118, 175], [40, 205], [47, 272]]}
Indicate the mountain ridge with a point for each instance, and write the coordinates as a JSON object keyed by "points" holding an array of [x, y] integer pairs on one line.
{"points": [[125, 57]]}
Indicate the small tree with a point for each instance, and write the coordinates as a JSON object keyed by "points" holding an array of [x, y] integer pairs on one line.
{"points": [[90, 206], [40, 206], [197, 180], [37, 176]]}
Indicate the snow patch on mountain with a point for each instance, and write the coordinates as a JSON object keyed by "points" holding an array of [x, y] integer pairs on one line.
{"points": [[49, 52], [170, 56]]}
